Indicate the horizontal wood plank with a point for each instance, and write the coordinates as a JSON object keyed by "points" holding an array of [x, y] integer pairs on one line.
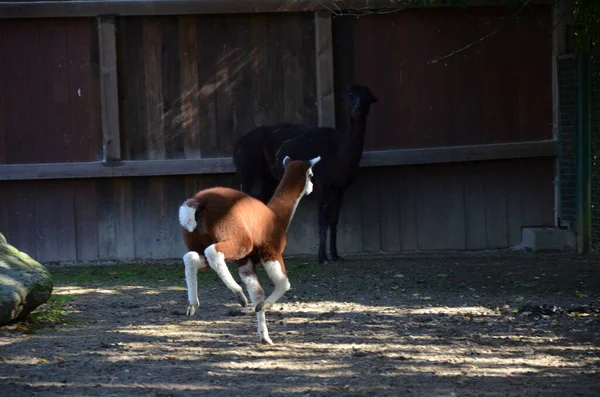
{"points": [[94, 8], [224, 165]]}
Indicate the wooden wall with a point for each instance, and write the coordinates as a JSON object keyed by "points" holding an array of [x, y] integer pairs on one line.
{"points": [[189, 85], [49, 93], [498, 91]]}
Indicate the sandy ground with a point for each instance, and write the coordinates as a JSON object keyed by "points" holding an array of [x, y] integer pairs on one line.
{"points": [[421, 325]]}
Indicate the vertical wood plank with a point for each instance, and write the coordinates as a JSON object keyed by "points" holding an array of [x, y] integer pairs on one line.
{"points": [[115, 220], [227, 62], [207, 109], [106, 219], [123, 210], [475, 209], [144, 237], [514, 181], [86, 131], [272, 74], [175, 191], [245, 78], [55, 230], [308, 66], [109, 91], [21, 217], [495, 206], [440, 209], [325, 79], [152, 42], [293, 82], [132, 86], [370, 210], [407, 186], [7, 207], [171, 93], [189, 116], [86, 219], [350, 222], [344, 60], [389, 222], [55, 145], [159, 235], [2, 104]]}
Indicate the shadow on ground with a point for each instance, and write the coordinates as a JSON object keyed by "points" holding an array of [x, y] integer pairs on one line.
{"points": [[410, 326]]}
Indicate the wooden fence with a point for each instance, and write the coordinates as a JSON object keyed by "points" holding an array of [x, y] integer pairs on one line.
{"points": [[109, 122]]}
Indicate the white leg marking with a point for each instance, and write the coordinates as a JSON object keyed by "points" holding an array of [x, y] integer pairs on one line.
{"points": [[250, 279], [262, 328], [257, 295], [192, 262], [282, 284], [216, 260]]}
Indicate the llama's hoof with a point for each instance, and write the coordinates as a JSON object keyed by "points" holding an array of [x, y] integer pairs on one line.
{"points": [[264, 305], [323, 261], [265, 340], [242, 299], [191, 310], [335, 258]]}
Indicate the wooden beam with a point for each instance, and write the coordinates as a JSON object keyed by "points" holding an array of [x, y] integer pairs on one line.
{"points": [[225, 165], [324, 60], [109, 91], [94, 8], [457, 154]]}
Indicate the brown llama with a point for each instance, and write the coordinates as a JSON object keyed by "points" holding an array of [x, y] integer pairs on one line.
{"points": [[221, 224]]}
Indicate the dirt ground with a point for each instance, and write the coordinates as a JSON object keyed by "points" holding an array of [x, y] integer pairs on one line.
{"points": [[420, 325]]}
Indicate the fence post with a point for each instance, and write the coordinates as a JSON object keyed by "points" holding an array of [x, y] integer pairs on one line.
{"points": [[583, 154], [324, 58], [109, 92]]}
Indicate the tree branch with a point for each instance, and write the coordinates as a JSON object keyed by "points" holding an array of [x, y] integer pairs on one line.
{"points": [[484, 38]]}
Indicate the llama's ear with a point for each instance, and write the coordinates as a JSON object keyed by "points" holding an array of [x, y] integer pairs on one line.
{"points": [[286, 160], [314, 161]]}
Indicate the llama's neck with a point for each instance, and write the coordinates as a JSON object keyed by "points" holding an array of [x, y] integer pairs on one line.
{"points": [[351, 148], [284, 203]]}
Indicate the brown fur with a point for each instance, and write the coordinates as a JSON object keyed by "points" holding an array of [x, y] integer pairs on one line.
{"points": [[243, 227]]}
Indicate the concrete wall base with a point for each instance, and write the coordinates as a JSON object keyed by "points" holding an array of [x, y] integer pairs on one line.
{"points": [[540, 239]]}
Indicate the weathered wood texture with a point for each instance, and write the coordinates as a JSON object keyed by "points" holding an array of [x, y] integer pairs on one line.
{"points": [[49, 91], [190, 85], [224, 165], [109, 92], [81, 8], [469, 206], [498, 91]]}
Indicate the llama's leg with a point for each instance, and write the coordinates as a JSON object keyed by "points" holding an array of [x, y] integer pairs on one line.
{"points": [[215, 255], [192, 262], [323, 225], [275, 269], [257, 295], [334, 216]]}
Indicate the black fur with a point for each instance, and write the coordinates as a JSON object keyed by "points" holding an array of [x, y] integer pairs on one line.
{"points": [[259, 154]]}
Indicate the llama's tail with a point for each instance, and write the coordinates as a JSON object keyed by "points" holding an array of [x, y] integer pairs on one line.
{"points": [[187, 214]]}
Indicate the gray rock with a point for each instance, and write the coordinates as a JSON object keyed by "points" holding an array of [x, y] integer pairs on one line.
{"points": [[24, 283]]}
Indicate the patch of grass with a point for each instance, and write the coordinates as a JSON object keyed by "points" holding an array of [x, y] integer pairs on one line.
{"points": [[54, 311], [120, 275]]}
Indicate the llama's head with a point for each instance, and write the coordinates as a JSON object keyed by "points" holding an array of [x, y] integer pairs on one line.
{"points": [[300, 170], [359, 99]]}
